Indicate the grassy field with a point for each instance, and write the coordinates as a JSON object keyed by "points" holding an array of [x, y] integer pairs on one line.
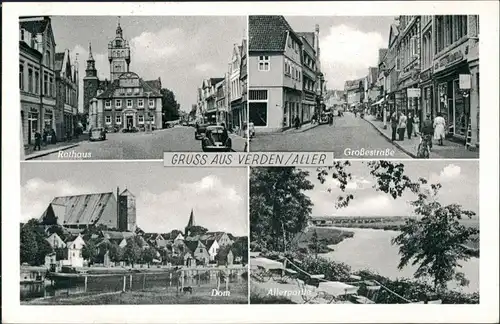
{"points": [[149, 297]]}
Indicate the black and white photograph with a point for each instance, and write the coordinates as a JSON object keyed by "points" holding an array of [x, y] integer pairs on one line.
{"points": [[132, 233], [131, 87], [365, 86], [375, 232]]}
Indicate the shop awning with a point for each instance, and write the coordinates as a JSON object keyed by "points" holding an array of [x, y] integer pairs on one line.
{"points": [[378, 102]]}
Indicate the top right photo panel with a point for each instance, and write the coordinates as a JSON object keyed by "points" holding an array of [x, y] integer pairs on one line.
{"points": [[365, 86]]}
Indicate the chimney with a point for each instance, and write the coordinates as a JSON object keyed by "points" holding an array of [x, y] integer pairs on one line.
{"points": [[316, 28]]}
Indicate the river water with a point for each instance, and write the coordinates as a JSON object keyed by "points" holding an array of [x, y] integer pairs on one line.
{"points": [[372, 249]]}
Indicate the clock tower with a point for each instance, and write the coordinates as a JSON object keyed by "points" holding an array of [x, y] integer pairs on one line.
{"points": [[118, 55]]}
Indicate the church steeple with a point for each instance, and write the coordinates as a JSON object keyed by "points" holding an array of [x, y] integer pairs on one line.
{"points": [[91, 58], [90, 71], [190, 223], [119, 31]]}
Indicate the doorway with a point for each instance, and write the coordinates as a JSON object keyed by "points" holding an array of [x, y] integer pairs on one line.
{"points": [[130, 121]]}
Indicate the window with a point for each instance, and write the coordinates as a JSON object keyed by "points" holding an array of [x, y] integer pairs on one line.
{"points": [[129, 103], [108, 103], [118, 119], [37, 82], [137, 90], [45, 84], [140, 103], [47, 59], [108, 119], [52, 87], [21, 76], [22, 34], [118, 103], [264, 63], [151, 103], [141, 119], [152, 118]]}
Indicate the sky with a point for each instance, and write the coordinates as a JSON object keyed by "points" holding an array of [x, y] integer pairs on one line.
{"points": [[459, 180], [348, 45], [164, 196], [182, 51]]}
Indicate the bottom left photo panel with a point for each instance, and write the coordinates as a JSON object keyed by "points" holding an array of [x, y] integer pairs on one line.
{"points": [[96, 233]]}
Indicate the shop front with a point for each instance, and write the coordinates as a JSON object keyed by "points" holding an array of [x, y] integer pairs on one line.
{"points": [[427, 92], [452, 99]]}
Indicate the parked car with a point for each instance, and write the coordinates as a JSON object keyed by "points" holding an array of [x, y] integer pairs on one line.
{"points": [[199, 132], [324, 118], [130, 130], [214, 140], [97, 134]]}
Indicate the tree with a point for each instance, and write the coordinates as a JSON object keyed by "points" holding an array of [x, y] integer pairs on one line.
{"points": [[196, 230], [132, 252], [44, 248], [170, 107], [436, 241], [148, 255], [240, 248], [279, 208], [116, 253], [314, 245], [90, 251], [28, 246]]}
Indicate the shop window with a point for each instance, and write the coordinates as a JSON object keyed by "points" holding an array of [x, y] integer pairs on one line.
{"points": [[258, 113]]}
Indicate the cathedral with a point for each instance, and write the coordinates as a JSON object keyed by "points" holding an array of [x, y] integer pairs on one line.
{"points": [[125, 101]]}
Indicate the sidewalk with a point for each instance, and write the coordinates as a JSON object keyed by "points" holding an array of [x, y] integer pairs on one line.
{"points": [[238, 143], [450, 150], [303, 128], [30, 153]]}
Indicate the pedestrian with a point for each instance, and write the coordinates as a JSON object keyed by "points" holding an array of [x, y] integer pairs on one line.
{"points": [[402, 126], [394, 124], [428, 130], [330, 119], [439, 128], [409, 125], [53, 136], [38, 140], [416, 125], [225, 135], [297, 122]]}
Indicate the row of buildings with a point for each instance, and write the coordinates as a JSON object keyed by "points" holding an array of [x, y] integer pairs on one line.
{"points": [[116, 219], [48, 82], [224, 99], [430, 66], [286, 79], [125, 100]]}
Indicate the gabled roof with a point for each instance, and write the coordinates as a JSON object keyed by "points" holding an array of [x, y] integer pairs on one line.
{"points": [[148, 87], [382, 52], [127, 192], [393, 34], [70, 238], [80, 209], [208, 243], [59, 58], [35, 26], [193, 245], [269, 33], [309, 37], [244, 48], [156, 84]]}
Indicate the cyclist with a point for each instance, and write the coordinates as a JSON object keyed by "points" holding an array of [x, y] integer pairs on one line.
{"points": [[425, 145]]}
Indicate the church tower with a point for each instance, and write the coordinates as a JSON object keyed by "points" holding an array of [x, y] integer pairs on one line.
{"points": [[190, 223], [118, 54], [126, 211], [90, 82]]}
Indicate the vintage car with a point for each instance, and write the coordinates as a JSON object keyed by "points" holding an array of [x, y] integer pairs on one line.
{"points": [[200, 130], [97, 134], [214, 140], [324, 118]]}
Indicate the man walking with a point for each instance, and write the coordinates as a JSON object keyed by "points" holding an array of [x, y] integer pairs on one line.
{"points": [[394, 124], [38, 140]]}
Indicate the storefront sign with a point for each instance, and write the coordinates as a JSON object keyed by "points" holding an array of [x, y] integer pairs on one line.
{"points": [[453, 57], [413, 92], [465, 81], [424, 76]]}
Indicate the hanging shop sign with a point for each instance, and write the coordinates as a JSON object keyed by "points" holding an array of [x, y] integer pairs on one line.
{"points": [[425, 76], [413, 92], [464, 81], [455, 56]]}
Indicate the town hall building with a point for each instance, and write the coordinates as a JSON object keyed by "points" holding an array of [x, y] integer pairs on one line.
{"points": [[125, 101]]}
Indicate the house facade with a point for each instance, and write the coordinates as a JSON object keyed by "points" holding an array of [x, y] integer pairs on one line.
{"points": [[36, 77], [234, 87], [309, 75], [244, 84], [355, 92], [66, 110]]}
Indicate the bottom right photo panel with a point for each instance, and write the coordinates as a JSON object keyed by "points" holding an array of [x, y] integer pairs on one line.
{"points": [[365, 232]]}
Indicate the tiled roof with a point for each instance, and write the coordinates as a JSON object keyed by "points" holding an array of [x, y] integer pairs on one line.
{"points": [[208, 243], [192, 245], [59, 58], [244, 47], [114, 235], [34, 26], [309, 36], [81, 209], [149, 87], [381, 54], [156, 84], [268, 33]]}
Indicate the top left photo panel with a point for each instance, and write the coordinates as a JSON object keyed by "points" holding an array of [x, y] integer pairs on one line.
{"points": [[131, 87]]}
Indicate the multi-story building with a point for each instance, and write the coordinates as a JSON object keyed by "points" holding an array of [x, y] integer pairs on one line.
{"points": [[221, 100], [392, 67], [309, 74], [456, 73], [234, 87], [408, 95], [208, 100], [36, 76], [371, 88], [126, 101], [275, 93], [66, 95], [426, 58], [355, 92], [244, 83]]}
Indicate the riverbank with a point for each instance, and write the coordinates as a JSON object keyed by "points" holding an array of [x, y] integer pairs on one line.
{"points": [[158, 296], [326, 238]]}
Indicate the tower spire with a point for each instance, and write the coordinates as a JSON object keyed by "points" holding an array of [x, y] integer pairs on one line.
{"points": [[119, 30], [91, 58]]}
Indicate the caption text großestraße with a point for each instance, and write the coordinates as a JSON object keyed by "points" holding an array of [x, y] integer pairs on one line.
{"points": [[249, 159]]}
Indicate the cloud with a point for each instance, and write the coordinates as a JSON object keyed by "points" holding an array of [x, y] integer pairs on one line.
{"points": [[378, 205], [205, 67], [216, 205], [449, 173], [156, 46], [356, 183], [36, 195], [347, 53]]}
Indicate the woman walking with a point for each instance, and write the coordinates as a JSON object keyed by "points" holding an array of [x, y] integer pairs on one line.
{"points": [[439, 128], [409, 125], [402, 126], [416, 125]]}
